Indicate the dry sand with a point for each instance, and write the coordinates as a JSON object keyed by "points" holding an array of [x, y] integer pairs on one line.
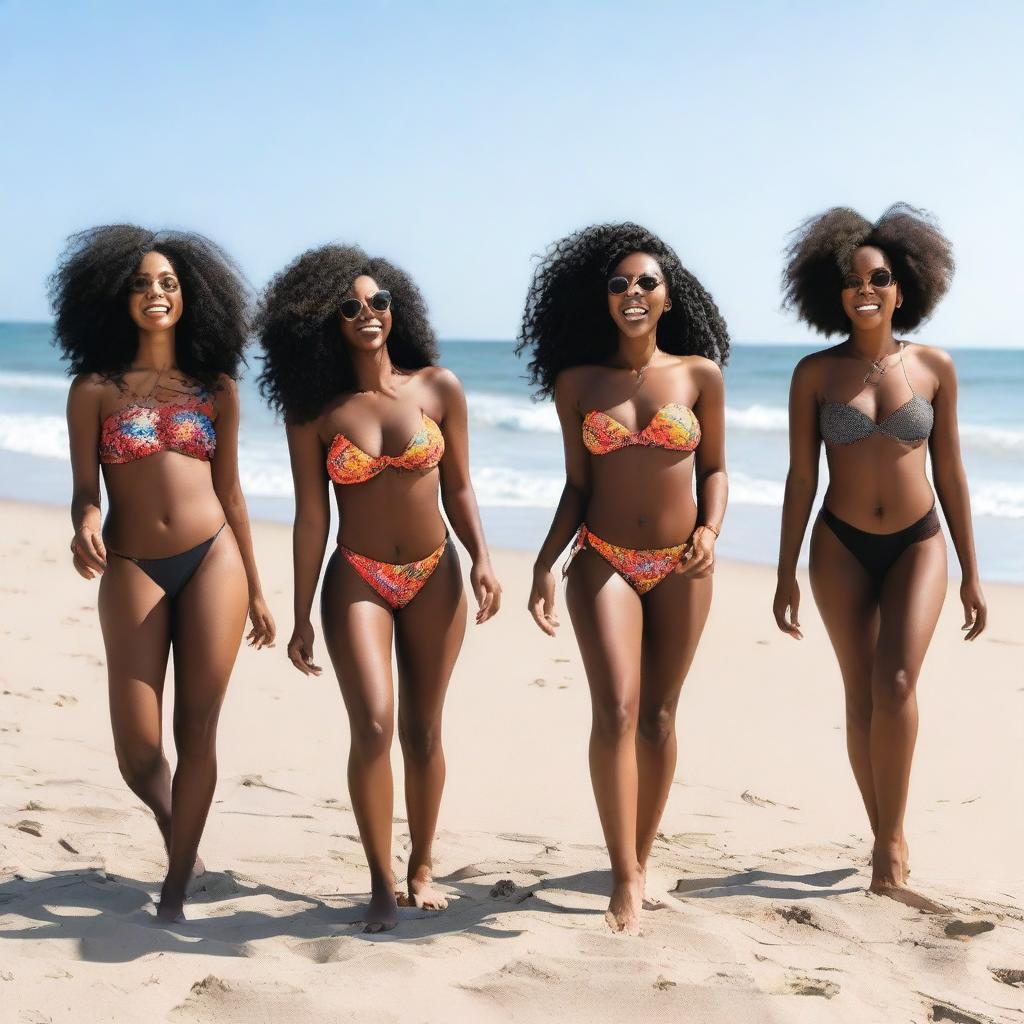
{"points": [[761, 865]]}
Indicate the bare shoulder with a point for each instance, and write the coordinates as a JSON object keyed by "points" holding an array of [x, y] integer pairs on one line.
{"points": [[440, 379], [90, 384], [810, 368], [938, 360], [226, 387], [574, 381], [706, 372]]}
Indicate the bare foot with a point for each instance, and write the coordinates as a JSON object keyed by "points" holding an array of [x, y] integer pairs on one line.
{"points": [[648, 903], [906, 859], [422, 892], [171, 907], [887, 879], [623, 913], [382, 913]]}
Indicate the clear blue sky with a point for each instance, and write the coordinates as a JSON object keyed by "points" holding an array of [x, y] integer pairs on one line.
{"points": [[460, 138]]}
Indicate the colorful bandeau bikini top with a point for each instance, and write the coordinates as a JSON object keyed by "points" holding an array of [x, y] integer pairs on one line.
{"points": [[139, 430], [349, 464], [673, 426]]}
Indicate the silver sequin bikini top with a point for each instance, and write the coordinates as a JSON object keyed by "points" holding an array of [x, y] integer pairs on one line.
{"points": [[911, 423]]}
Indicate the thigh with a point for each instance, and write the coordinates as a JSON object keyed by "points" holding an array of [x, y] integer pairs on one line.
{"points": [[675, 613], [135, 620], [912, 594], [607, 617], [209, 619], [429, 632], [358, 626], [847, 599]]}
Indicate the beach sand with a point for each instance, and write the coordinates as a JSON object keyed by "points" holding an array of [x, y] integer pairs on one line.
{"points": [[761, 865]]}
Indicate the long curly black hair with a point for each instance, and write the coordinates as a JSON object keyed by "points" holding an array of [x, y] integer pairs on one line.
{"points": [[821, 249], [89, 297], [306, 363], [566, 321]]}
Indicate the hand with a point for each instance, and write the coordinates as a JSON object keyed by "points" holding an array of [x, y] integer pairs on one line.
{"points": [[787, 596], [263, 629], [89, 554], [698, 559], [300, 650], [541, 604], [975, 609], [487, 589]]}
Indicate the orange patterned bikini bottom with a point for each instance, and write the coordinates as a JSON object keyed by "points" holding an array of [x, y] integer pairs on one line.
{"points": [[397, 584], [642, 568]]}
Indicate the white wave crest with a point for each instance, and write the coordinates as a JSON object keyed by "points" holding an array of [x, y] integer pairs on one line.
{"points": [[14, 380], [509, 413], [751, 490], [45, 436], [758, 417], [998, 498], [1001, 439], [499, 486]]}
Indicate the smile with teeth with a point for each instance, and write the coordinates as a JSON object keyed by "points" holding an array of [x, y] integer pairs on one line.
{"points": [[158, 308], [370, 328], [868, 307], [634, 311]]}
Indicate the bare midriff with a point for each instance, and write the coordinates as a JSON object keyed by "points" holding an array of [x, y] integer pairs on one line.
{"points": [[642, 497], [160, 505], [878, 484], [393, 517]]}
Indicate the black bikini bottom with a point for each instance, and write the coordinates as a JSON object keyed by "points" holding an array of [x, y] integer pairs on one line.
{"points": [[878, 552], [172, 573]]}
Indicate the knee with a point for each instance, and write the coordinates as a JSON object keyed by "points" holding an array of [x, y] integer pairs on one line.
{"points": [[858, 710], [892, 689], [195, 731], [657, 726], [615, 720], [420, 740], [139, 762], [371, 735]]}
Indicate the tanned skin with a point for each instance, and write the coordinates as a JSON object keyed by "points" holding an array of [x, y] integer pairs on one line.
{"points": [[393, 517], [636, 650], [161, 505], [878, 485]]}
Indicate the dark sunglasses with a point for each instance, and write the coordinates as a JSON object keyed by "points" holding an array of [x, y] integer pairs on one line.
{"points": [[618, 285], [140, 283], [880, 278], [380, 301]]}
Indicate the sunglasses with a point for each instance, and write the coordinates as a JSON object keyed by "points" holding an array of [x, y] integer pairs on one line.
{"points": [[140, 283], [647, 282], [380, 302], [880, 278]]}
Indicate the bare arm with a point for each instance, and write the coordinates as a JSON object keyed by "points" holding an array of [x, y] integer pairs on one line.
{"points": [[458, 497], [801, 487], [572, 505], [309, 535], [83, 412], [229, 491], [712, 480], [951, 488]]}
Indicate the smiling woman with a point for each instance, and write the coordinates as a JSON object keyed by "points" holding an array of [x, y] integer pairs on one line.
{"points": [[153, 326]]}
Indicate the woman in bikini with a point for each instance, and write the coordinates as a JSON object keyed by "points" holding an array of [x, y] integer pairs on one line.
{"points": [[630, 344], [350, 362], [153, 327], [878, 558]]}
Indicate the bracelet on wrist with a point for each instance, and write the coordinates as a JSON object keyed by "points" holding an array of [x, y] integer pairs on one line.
{"points": [[714, 529]]}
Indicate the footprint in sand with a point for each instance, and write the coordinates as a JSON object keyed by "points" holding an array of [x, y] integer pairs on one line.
{"points": [[967, 929], [324, 951], [1008, 976], [802, 985], [947, 1011], [212, 998]]}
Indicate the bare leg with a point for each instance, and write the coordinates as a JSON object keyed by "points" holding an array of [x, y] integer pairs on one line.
{"points": [[358, 627], [208, 620], [429, 633], [675, 612], [911, 599], [136, 633], [848, 602], [607, 617]]}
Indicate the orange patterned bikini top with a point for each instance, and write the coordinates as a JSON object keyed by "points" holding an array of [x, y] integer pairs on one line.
{"points": [[349, 464], [673, 426]]}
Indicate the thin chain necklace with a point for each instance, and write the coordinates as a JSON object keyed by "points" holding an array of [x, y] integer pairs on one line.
{"points": [[639, 373], [879, 365]]}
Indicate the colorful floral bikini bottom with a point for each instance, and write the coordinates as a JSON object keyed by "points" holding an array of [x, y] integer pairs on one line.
{"points": [[397, 584], [642, 568]]}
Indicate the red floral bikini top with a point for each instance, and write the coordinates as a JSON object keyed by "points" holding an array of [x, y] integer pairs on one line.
{"points": [[349, 464], [673, 426], [139, 430]]}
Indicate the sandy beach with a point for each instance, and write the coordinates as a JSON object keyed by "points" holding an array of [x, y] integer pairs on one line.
{"points": [[760, 869]]}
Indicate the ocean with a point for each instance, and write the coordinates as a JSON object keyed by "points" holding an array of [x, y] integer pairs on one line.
{"points": [[516, 453]]}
